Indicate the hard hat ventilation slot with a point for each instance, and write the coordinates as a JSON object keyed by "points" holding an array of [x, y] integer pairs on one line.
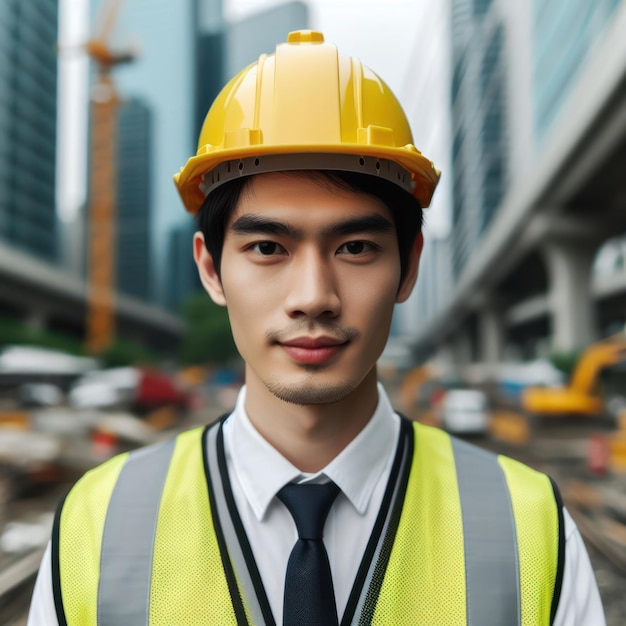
{"points": [[247, 166]]}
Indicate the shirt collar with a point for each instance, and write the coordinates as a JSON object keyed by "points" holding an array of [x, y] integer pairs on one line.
{"points": [[262, 471]]}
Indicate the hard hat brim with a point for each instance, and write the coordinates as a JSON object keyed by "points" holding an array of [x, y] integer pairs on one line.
{"points": [[189, 181]]}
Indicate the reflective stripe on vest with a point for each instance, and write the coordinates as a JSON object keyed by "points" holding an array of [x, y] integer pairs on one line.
{"points": [[491, 567], [128, 539], [453, 558]]}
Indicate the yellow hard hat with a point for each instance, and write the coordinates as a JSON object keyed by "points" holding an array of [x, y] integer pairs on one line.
{"points": [[305, 107]]}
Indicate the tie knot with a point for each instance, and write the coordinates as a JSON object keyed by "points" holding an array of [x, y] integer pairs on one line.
{"points": [[309, 505]]}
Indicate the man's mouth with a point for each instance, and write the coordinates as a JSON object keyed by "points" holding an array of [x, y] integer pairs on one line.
{"points": [[313, 350]]}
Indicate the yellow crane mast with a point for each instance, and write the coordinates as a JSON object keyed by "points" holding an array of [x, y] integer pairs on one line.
{"points": [[104, 102]]}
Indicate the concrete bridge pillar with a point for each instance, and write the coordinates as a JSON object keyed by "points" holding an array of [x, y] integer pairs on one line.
{"points": [[491, 334], [462, 348], [445, 356], [569, 278]]}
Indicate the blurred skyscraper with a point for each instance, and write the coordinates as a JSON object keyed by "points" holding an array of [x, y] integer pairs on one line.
{"points": [[564, 33], [479, 97], [209, 58], [28, 110], [181, 267], [134, 195], [537, 95]]}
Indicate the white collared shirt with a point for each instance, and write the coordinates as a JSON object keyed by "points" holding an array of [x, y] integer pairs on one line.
{"points": [[257, 472]]}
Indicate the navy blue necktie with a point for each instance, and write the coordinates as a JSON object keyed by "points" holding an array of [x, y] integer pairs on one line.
{"points": [[309, 595]]}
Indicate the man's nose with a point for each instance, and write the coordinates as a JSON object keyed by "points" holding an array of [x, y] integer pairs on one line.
{"points": [[312, 291]]}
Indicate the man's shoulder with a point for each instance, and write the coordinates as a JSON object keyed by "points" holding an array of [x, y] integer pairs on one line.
{"points": [[100, 481], [449, 453]]}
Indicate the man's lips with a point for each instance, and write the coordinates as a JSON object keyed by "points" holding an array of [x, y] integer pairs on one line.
{"points": [[313, 342], [313, 350]]}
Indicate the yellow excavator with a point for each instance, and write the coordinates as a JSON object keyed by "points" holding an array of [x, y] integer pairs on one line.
{"points": [[588, 392]]}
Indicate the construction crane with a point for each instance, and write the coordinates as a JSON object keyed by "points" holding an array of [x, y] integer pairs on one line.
{"points": [[104, 104]]}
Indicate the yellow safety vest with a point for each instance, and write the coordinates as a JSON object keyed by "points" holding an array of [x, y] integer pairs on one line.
{"points": [[463, 537]]}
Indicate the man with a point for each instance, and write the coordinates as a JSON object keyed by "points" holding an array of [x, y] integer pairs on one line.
{"points": [[313, 502]]}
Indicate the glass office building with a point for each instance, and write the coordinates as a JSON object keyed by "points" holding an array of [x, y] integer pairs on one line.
{"points": [[134, 190], [564, 33], [479, 119], [28, 117]]}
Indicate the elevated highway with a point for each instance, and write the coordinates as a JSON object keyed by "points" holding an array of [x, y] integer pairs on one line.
{"points": [[44, 296]]}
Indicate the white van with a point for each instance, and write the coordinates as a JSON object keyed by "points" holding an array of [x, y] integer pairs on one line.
{"points": [[465, 412]]}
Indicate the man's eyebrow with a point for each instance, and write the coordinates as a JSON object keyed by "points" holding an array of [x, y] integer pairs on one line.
{"points": [[257, 224], [251, 223], [364, 224]]}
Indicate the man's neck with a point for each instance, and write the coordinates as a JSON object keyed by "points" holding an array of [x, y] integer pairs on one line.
{"points": [[310, 436]]}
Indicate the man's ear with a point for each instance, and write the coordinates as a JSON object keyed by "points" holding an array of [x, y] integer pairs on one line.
{"points": [[412, 268], [206, 269]]}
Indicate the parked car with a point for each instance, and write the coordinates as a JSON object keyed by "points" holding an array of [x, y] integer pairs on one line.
{"points": [[105, 389], [465, 412], [132, 388]]}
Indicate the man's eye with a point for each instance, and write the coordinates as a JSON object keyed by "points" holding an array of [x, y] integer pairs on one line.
{"points": [[355, 247], [267, 248]]}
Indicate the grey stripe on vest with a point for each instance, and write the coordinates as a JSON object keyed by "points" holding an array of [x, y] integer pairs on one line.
{"points": [[491, 558], [128, 539], [232, 542]]}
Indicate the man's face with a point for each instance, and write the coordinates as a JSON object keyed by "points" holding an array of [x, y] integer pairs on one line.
{"points": [[310, 274]]}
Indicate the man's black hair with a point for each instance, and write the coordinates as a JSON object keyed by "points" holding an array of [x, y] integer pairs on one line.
{"points": [[407, 214]]}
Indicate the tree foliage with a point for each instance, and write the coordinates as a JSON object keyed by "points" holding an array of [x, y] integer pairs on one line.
{"points": [[123, 352], [565, 361], [15, 332], [208, 339]]}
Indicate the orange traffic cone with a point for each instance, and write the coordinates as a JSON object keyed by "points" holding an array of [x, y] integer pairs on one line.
{"points": [[103, 444]]}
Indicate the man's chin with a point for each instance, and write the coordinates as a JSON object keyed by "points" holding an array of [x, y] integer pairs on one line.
{"points": [[308, 394]]}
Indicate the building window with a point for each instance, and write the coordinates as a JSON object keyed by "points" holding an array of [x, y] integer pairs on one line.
{"points": [[481, 7]]}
